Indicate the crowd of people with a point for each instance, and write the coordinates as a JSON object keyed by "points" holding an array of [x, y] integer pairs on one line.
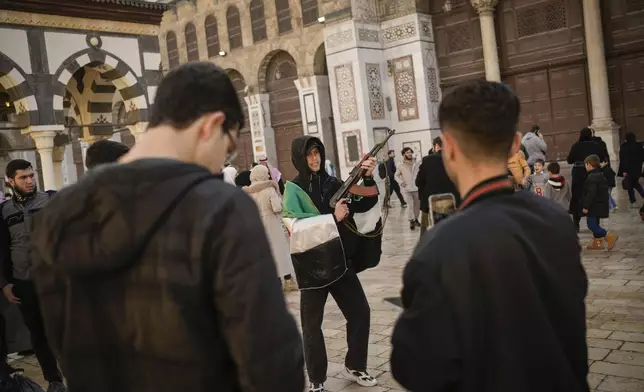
{"points": [[156, 271]]}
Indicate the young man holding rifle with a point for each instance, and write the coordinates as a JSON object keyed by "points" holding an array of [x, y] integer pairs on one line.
{"points": [[329, 247]]}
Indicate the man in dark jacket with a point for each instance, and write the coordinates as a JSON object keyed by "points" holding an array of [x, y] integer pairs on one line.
{"points": [[390, 165], [329, 247], [631, 159], [144, 269], [488, 307], [16, 219], [432, 179]]}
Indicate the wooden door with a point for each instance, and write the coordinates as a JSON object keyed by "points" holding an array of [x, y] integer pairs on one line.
{"points": [[284, 135], [632, 70], [245, 156]]}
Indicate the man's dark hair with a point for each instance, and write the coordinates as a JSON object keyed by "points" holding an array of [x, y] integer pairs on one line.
{"points": [[390, 152], [193, 90], [105, 151], [593, 160], [539, 160], [630, 137], [15, 165], [483, 117], [535, 128], [404, 150], [554, 168], [437, 142]]}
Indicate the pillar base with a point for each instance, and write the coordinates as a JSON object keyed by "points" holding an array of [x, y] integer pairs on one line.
{"points": [[608, 130]]}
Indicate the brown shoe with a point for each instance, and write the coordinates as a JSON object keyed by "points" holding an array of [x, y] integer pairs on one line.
{"points": [[611, 239], [596, 244]]}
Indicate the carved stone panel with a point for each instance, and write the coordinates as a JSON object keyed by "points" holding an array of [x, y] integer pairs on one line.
{"points": [[345, 87], [339, 38], [368, 35], [374, 86], [405, 86], [434, 92], [547, 16], [400, 32]]}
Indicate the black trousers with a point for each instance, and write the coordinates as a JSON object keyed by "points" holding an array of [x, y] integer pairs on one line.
{"points": [[395, 187], [349, 295], [30, 309]]}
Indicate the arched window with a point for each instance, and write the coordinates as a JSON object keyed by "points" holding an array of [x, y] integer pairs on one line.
{"points": [[191, 42], [234, 28], [173, 51], [283, 16], [212, 36], [309, 11], [258, 22]]}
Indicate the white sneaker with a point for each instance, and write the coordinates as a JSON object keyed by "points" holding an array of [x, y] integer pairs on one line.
{"points": [[361, 377], [315, 387]]}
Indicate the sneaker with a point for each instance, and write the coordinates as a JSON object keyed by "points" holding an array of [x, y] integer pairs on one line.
{"points": [[416, 222], [614, 209], [57, 386], [361, 377], [596, 244], [412, 225], [316, 387], [611, 239], [404, 205]]}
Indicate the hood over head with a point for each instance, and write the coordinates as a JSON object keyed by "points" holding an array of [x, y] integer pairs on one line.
{"points": [[104, 222], [300, 148], [259, 173]]}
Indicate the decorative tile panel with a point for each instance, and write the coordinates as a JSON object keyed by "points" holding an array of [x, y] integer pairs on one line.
{"points": [[426, 29], [255, 119], [367, 35], [434, 92], [352, 147], [345, 87], [339, 38], [405, 85], [374, 86], [400, 32]]}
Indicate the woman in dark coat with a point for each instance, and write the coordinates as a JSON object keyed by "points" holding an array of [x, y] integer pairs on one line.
{"points": [[578, 152], [631, 158]]}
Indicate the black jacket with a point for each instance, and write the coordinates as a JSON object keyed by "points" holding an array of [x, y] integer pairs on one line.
{"points": [[147, 283], [595, 198], [391, 168], [488, 307], [610, 175], [432, 179], [360, 252], [631, 159], [584, 148]]}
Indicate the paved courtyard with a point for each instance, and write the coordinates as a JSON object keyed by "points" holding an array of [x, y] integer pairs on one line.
{"points": [[615, 309]]}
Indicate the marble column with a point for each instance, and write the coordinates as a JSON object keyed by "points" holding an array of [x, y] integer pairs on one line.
{"points": [[44, 141], [485, 9], [262, 132], [602, 123], [59, 167]]}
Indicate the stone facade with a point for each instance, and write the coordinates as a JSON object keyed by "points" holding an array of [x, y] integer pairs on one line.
{"points": [[72, 81]]}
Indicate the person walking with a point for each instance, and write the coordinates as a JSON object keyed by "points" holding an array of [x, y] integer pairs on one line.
{"points": [[631, 159], [535, 146], [16, 279], [432, 180], [493, 297], [266, 194], [390, 170], [330, 246], [406, 176], [153, 273], [579, 151], [519, 170]]}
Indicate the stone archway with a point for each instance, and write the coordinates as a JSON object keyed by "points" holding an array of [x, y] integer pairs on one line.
{"points": [[279, 76], [112, 74], [13, 80]]}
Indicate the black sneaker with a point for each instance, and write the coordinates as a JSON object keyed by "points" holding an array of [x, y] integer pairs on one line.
{"points": [[416, 222], [412, 225], [57, 386], [404, 205], [316, 387]]}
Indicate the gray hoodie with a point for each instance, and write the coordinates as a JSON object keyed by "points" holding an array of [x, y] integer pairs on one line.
{"points": [[535, 147]]}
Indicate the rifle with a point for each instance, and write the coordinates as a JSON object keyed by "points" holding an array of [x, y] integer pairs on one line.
{"points": [[349, 185]]}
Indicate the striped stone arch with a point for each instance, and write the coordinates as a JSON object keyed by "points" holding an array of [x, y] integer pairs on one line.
{"points": [[263, 67], [12, 78], [111, 69]]}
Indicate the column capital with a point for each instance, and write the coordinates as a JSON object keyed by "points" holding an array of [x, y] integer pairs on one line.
{"points": [[44, 140], [484, 6], [138, 129]]}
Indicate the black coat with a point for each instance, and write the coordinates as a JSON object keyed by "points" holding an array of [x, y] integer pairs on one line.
{"points": [[147, 283], [610, 175], [578, 153], [631, 159], [432, 179], [494, 302], [595, 198]]}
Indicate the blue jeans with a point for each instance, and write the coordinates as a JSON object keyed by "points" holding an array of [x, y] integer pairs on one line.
{"points": [[611, 200], [593, 225]]}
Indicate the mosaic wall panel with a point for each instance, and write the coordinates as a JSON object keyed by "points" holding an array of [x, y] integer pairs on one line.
{"points": [[339, 38], [374, 86], [367, 35], [352, 147], [345, 87], [400, 32], [426, 29], [405, 86], [434, 92]]}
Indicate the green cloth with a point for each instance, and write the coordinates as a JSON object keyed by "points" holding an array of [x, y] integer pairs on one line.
{"points": [[297, 204]]}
